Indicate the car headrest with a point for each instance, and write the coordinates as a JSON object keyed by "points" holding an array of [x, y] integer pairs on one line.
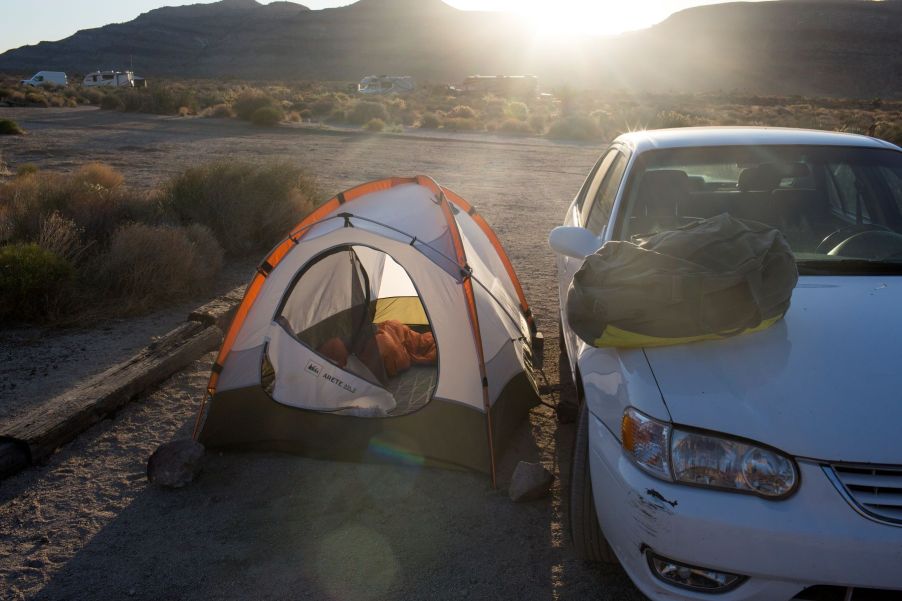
{"points": [[763, 178], [662, 190]]}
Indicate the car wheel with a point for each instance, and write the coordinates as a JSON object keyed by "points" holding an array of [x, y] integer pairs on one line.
{"points": [[588, 540]]}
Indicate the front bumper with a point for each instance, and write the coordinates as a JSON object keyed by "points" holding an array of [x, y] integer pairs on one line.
{"points": [[812, 538]]}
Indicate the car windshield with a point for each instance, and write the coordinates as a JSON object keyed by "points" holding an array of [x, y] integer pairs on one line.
{"points": [[840, 208]]}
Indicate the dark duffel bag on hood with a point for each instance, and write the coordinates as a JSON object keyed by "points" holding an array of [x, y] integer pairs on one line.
{"points": [[711, 279]]}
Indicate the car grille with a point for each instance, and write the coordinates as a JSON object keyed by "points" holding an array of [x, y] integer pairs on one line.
{"points": [[875, 491]]}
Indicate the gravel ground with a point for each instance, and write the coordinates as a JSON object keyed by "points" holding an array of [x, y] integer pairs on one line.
{"points": [[267, 526]]}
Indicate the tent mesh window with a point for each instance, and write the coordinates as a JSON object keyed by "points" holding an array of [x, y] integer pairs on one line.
{"points": [[356, 307]]}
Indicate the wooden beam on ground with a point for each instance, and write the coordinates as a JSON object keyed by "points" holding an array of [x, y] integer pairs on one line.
{"points": [[219, 311], [40, 432]]}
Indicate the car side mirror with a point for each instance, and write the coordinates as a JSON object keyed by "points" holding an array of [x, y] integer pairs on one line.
{"points": [[576, 242]]}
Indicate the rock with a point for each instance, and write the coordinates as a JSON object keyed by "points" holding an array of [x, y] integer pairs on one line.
{"points": [[530, 481], [175, 464]]}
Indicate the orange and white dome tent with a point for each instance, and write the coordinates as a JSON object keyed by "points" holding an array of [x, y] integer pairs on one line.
{"points": [[389, 322]]}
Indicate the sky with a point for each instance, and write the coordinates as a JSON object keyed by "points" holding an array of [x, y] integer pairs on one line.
{"points": [[31, 21]]}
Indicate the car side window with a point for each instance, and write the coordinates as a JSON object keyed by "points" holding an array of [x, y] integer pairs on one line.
{"points": [[603, 203], [588, 197]]}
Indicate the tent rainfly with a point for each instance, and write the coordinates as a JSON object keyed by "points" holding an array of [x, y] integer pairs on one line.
{"points": [[388, 324]]}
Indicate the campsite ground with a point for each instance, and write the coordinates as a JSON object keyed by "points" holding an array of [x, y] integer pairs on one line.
{"points": [[268, 526]]}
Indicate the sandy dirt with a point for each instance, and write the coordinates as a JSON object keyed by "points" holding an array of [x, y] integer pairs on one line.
{"points": [[268, 526]]}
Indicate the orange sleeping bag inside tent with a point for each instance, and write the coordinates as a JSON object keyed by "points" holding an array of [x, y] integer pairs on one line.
{"points": [[400, 347]]}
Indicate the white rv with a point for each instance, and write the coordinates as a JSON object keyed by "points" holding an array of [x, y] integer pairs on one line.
{"points": [[46, 78], [112, 79], [386, 84]]}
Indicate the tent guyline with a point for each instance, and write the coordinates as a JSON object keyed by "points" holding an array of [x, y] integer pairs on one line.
{"points": [[359, 315]]}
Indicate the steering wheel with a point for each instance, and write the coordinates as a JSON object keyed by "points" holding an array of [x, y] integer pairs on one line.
{"points": [[837, 237]]}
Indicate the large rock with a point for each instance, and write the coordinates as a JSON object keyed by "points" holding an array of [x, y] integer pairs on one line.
{"points": [[175, 464], [530, 481]]}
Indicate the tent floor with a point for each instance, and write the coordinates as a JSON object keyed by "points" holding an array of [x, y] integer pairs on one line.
{"points": [[413, 388]]}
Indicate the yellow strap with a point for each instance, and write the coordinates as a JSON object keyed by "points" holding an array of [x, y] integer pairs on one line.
{"points": [[613, 336]]}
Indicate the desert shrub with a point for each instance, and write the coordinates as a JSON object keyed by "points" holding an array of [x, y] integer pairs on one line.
{"points": [[518, 110], [26, 169], [219, 111], [112, 102], [574, 127], [537, 123], [462, 111], [673, 119], [248, 206], [36, 98], [430, 121], [93, 197], [364, 111], [494, 107], [62, 237], [305, 115], [462, 124], [8, 127], [92, 96], [337, 116], [184, 111], [514, 126], [294, 117], [99, 174], [32, 280], [375, 125], [248, 102], [891, 132], [267, 116], [323, 106], [149, 265]]}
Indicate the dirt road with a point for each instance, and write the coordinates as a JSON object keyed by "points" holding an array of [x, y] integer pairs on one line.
{"points": [[263, 526]]}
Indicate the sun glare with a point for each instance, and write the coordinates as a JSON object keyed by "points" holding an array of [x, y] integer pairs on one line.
{"points": [[584, 18]]}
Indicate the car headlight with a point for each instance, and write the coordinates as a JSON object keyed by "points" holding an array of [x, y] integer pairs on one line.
{"points": [[705, 459]]}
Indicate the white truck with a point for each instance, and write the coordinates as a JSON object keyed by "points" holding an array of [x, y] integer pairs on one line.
{"points": [[45, 78], [112, 79]]}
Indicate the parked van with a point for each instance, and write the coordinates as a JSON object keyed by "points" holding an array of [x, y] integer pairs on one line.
{"points": [[113, 79], [44, 78]]}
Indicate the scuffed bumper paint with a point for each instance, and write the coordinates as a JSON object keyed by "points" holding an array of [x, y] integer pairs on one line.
{"points": [[783, 547]]}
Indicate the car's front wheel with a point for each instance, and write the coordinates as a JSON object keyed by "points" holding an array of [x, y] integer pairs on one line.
{"points": [[588, 540]]}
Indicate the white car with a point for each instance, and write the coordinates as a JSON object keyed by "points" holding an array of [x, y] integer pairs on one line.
{"points": [[766, 466]]}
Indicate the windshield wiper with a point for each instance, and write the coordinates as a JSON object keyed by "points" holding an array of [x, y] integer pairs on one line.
{"points": [[849, 267]]}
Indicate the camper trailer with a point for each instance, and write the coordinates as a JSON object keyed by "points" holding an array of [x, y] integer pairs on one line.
{"points": [[386, 84], [46, 78], [112, 79]]}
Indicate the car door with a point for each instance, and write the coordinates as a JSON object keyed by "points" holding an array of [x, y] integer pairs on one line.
{"points": [[591, 209]]}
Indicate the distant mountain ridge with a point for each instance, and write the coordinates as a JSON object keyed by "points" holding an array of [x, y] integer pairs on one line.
{"points": [[824, 47]]}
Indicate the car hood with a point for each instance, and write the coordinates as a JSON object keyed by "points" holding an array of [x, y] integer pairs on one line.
{"points": [[823, 383]]}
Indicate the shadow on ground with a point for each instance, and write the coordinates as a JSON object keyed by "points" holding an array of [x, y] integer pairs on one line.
{"points": [[272, 526]]}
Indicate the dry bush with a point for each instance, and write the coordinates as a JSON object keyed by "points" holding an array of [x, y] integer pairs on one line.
{"points": [[462, 124], [249, 102], [93, 197], [8, 127], [364, 111], [574, 127], [375, 125], [267, 116], [147, 265], [248, 206], [461, 111], [218, 111], [62, 237], [514, 126], [430, 121], [33, 282]]}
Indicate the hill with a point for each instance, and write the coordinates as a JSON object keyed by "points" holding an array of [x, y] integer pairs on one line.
{"points": [[828, 47]]}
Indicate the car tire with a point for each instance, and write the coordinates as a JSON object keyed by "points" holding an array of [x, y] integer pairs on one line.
{"points": [[585, 533]]}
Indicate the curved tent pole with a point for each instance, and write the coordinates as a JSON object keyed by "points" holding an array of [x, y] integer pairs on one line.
{"points": [[467, 284]]}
